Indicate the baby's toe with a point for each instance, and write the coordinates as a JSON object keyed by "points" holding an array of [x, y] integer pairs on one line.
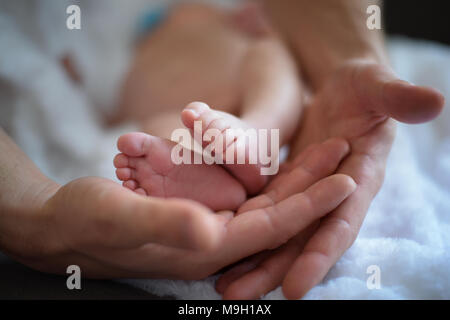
{"points": [[207, 117], [134, 144], [120, 161], [213, 125], [130, 184], [124, 174], [141, 191], [192, 112]]}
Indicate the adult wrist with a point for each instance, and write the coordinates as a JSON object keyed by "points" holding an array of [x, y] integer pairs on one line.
{"points": [[24, 233], [325, 34]]}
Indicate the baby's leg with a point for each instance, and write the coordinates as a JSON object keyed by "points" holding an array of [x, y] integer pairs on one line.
{"points": [[270, 96], [271, 88], [269, 81], [162, 124], [145, 166]]}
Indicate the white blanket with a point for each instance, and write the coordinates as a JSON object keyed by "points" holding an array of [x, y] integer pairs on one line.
{"points": [[406, 232]]}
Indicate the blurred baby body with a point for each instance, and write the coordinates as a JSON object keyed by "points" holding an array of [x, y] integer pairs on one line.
{"points": [[231, 60]]}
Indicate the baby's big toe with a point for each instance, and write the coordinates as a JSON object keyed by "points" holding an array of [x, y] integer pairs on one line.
{"points": [[192, 113], [207, 118], [133, 144]]}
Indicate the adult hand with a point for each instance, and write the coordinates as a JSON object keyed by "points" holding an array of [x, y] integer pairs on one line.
{"points": [[355, 103], [112, 232]]}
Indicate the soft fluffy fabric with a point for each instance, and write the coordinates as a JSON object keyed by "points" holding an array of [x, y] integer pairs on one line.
{"points": [[407, 229]]}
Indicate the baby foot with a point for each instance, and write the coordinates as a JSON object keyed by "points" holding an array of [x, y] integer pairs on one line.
{"points": [[249, 173], [145, 166]]}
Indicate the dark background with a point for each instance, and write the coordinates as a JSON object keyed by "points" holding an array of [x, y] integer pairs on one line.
{"points": [[418, 19]]}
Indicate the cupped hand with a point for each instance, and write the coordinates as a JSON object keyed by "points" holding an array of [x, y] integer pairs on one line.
{"points": [[112, 232], [356, 103]]}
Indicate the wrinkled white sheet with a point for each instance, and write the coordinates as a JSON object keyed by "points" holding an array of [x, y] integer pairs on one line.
{"points": [[407, 229]]}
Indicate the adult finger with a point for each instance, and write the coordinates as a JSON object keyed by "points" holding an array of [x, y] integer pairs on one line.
{"points": [[311, 165], [267, 273], [336, 232], [272, 226], [241, 268], [382, 91]]}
